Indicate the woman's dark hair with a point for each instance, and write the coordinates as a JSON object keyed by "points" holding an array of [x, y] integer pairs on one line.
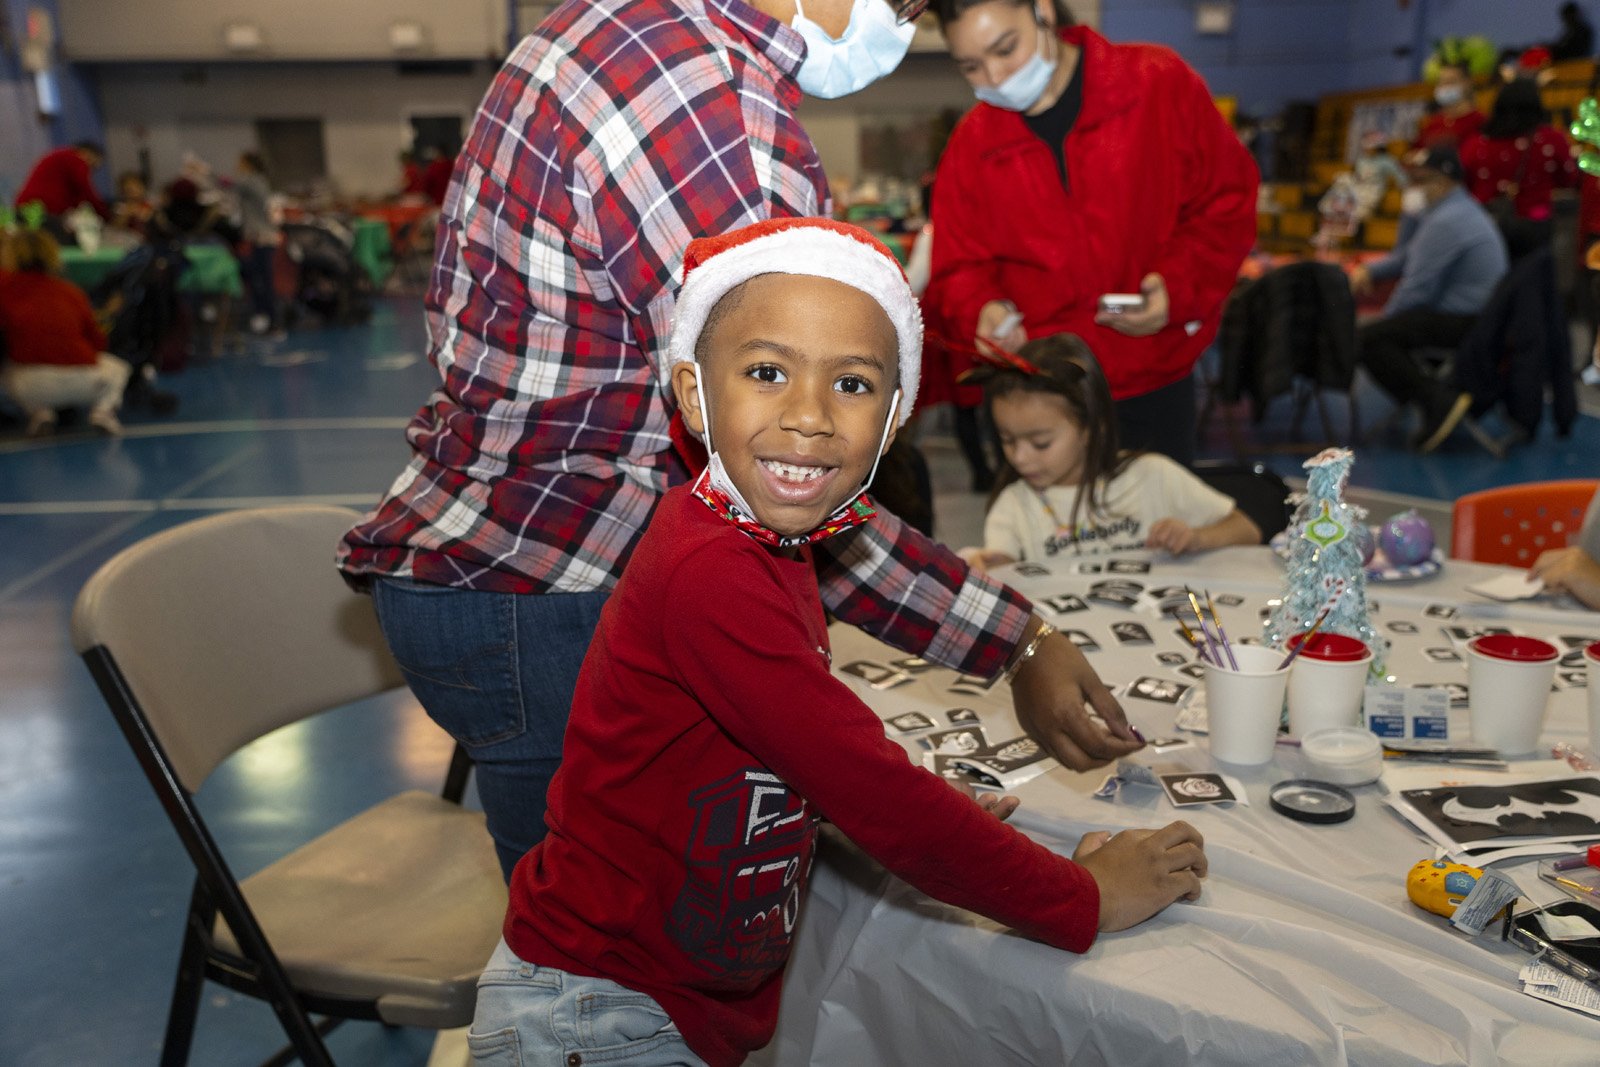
{"points": [[254, 161], [947, 11], [1517, 112], [1067, 369]]}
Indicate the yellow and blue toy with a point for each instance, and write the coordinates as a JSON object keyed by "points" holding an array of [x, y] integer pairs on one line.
{"points": [[1439, 886]]}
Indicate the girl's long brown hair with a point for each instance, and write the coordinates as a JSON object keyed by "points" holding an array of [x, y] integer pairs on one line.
{"points": [[1066, 368]]}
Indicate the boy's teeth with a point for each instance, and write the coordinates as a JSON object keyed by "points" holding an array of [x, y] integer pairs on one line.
{"points": [[791, 473]]}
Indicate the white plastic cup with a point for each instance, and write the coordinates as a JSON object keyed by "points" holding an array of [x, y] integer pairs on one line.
{"points": [[1591, 660], [1508, 683], [1244, 707], [1327, 683]]}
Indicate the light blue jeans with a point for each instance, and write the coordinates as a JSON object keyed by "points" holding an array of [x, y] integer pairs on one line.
{"points": [[496, 671], [529, 1016]]}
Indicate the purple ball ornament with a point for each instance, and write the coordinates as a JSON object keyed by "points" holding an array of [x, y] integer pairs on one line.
{"points": [[1365, 540], [1406, 539]]}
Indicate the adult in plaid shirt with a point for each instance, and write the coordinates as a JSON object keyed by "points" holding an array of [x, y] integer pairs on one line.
{"points": [[614, 134]]}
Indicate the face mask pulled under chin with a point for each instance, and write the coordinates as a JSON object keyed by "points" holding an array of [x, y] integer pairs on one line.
{"points": [[872, 46], [1413, 201], [717, 471]]}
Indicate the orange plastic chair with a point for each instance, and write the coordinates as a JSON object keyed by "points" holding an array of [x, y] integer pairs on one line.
{"points": [[1513, 524]]}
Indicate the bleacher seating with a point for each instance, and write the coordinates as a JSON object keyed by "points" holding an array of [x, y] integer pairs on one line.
{"points": [[1290, 217]]}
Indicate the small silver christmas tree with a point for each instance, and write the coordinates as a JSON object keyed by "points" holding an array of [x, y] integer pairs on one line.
{"points": [[1325, 568]]}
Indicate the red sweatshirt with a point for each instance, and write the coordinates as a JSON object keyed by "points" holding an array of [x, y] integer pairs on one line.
{"points": [[1159, 182], [46, 320], [1543, 161], [1439, 128], [707, 737], [60, 180]]}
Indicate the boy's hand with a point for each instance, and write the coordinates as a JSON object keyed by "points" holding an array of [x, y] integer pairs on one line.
{"points": [[1053, 694], [1569, 570], [1140, 872], [1174, 535]]}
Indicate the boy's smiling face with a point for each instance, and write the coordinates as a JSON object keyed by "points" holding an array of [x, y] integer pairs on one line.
{"points": [[798, 372]]}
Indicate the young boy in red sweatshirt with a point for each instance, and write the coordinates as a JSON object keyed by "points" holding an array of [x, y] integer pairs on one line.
{"points": [[707, 736]]}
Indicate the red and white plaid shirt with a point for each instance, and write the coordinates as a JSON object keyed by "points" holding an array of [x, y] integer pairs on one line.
{"points": [[615, 134]]}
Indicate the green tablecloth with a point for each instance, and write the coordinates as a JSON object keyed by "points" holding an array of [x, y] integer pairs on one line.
{"points": [[212, 268], [372, 249]]}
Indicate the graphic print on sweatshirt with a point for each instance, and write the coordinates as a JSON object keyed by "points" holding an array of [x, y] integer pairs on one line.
{"points": [[748, 858]]}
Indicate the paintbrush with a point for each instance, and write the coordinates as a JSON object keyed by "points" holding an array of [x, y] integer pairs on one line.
{"points": [[1194, 602], [1227, 646], [1193, 640], [1306, 640]]}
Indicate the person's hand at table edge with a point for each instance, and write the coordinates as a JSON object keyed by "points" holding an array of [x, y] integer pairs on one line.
{"points": [[1150, 319], [1140, 872], [983, 560], [1569, 570], [1360, 280], [1001, 807], [1053, 691]]}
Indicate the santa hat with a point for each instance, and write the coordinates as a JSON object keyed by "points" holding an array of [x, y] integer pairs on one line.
{"points": [[818, 248]]}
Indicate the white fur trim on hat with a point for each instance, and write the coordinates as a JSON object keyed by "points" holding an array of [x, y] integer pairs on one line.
{"points": [[816, 251]]}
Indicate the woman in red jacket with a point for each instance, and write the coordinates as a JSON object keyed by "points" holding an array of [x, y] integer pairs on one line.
{"points": [[55, 353], [1090, 170]]}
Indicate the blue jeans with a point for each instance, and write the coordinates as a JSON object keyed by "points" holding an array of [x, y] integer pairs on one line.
{"points": [[530, 1015], [496, 671]]}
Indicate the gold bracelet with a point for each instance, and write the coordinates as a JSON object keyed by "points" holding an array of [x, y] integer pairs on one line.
{"points": [[1044, 631]]}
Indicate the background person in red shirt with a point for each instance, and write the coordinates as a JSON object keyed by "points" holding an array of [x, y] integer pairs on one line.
{"points": [[1519, 155], [1458, 117], [708, 736], [1090, 168], [54, 351], [61, 180]]}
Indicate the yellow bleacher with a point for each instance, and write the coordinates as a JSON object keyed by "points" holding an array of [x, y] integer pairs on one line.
{"points": [[1296, 219]]}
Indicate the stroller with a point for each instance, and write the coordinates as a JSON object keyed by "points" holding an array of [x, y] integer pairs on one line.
{"points": [[328, 282]]}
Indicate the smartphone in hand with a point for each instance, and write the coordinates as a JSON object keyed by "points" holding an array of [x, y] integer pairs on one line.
{"points": [[1121, 303]]}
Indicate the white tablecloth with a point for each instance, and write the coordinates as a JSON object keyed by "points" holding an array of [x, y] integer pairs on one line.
{"points": [[1304, 948]]}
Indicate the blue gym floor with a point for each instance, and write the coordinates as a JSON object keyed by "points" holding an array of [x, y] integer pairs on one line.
{"points": [[93, 883]]}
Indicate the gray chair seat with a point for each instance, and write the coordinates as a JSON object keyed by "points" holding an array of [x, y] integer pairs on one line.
{"points": [[338, 932]]}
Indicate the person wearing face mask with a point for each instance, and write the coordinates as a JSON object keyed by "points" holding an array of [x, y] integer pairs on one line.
{"points": [[1457, 117], [1448, 267], [1094, 190], [615, 133]]}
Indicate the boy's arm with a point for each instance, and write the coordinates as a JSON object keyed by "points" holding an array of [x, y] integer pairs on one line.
{"points": [[920, 597], [752, 666]]}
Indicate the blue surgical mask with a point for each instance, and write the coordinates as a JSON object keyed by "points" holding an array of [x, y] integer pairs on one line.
{"points": [[872, 46], [1023, 88]]}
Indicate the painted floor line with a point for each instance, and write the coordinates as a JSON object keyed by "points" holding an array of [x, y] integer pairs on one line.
{"points": [[210, 503], [217, 426]]}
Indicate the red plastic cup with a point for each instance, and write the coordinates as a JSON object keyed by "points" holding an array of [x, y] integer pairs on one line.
{"points": [[1511, 647], [1334, 648]]}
